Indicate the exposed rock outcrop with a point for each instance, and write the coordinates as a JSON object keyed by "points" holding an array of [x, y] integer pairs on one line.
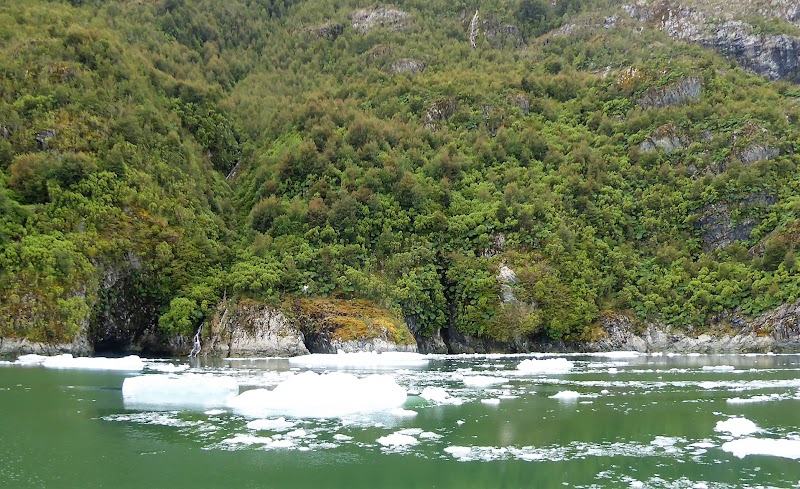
{"points": [[730, 30], [718, 226], [249, 328], [19, 346], [666, 138], [366, 19], [331, 325], [678, 93], [438, 113], [328, 30], [407, 66]]}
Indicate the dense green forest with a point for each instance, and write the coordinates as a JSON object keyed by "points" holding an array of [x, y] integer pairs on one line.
{"points": [[175, 152]]}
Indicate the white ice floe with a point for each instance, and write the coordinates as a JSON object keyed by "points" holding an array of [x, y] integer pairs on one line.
{"points": [[491, 402], [429, 435], [341, 437], [755, 399], [718, 368], [403, 413], [183, 390], [546, 366], [616, 354], [167, 367], [397, 440], [279, 424], [131, 363], [482, 381], [567, 395], [214, 412], [784, 448], [313, 395], [367, 360], [737, 426], [439, 395]]}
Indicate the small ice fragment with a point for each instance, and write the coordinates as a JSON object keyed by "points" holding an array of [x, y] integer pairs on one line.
{"points": [[131, 363], [491, 402], [482, 381], [440, 395], [546, 366], [214, 412], [718, 368], [279, 424], [429, 435], [566, 395], [460, 422], [298, 433], [248, 440], [362, 360], [341, 437], [397, 439]]}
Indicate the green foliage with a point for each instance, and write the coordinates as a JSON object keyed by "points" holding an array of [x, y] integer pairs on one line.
{"points": [[251, 149]]}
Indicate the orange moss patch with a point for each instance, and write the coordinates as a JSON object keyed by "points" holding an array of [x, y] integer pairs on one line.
{"points": [[353, 320]]}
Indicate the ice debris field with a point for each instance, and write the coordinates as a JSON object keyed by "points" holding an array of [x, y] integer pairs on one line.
{"points": [[373, 401]]}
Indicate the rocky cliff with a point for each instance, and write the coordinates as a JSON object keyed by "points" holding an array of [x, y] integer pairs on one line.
{"points": [[248, 328], [762, 35]]}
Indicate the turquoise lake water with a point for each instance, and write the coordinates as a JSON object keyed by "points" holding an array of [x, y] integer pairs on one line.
{"points": [[680, 421]]}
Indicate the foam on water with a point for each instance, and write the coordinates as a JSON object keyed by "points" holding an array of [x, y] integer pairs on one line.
{"points": [[313, 395], [183, 390], [737, 426], [131, 363], [546, 366], [784, 448], [366, 360]]}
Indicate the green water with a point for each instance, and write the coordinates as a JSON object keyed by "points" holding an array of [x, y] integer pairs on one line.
{"points": [[641, 422]]}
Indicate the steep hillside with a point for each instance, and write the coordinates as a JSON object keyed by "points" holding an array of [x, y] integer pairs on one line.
{"points": [[512, 173]]}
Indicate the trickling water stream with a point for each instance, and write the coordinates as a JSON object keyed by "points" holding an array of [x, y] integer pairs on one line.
{"points": [[621, 420]]}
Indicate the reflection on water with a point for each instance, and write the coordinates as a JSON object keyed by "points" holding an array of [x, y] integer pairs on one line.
{"points": [[619, 420]]}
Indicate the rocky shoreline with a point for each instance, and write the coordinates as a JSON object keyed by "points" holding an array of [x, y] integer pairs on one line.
{"points": [[253, 329]]}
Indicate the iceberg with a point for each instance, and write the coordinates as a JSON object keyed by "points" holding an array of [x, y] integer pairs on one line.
{"points": [[315, 395], [546, 366], [183, 390], [784, 448], [737, 426], [131, 363]]}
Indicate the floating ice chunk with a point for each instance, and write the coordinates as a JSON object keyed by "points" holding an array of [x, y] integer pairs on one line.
{"points": [[313, 395], [31, 359], [785, 448], [130, 363], [397, 439], [458, 452], [214, 412], [459, 422], [718, 368], [411, 431], [279, 424], [248, 440], [362, 360], [298, 433], [566, 396], [481, 381], [616, 354], [613, 370], [440, 395], [761, 398], [429, 435], [171, 390], [403, 413], [491, 402], [737, 426], [167, 367], [546, 366], [341, 437]]}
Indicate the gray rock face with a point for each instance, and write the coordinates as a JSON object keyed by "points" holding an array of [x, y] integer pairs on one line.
{"points": [[758, 152], [438, 113], [14, 346], [366, 19], [777, 330], [253, 329], [774, 56], [407, 66], [507, 279], [379, 345], [678, 93], [719, 229]]}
